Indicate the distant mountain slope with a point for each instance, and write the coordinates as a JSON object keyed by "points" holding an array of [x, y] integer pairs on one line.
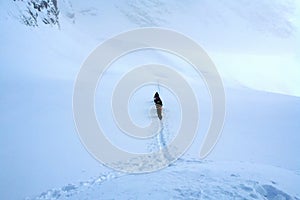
{"points": [[267, 16], [35, 12]]}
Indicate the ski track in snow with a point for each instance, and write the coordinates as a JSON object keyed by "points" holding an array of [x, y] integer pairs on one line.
{"points": [[185, 179]]}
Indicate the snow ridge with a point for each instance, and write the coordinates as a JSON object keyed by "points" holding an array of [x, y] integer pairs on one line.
{"points": [[186, 179]]}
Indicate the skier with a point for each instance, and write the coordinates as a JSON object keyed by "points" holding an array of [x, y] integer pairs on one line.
{"points": [[158, 104]]}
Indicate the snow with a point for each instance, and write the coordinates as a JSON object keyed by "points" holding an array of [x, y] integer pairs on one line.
{"points": [[188, 179], [255, 47]]}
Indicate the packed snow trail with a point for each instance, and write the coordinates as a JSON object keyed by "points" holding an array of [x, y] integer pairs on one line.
{"points": [[163, 138]]}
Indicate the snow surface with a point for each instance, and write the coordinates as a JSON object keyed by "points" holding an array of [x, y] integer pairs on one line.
{"points": [[187, 179], [255, 46]]}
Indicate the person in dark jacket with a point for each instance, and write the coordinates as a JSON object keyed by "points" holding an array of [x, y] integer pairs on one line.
{"points": [[158, 104]]}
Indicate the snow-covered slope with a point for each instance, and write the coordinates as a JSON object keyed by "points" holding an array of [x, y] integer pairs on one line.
{"points": [[254, 46], [260, 37], [188, 179]]}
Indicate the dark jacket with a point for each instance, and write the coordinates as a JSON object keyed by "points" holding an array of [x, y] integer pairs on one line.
{"points": [[157, 99]]}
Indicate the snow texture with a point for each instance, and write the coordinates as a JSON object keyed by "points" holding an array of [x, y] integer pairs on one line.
{"points": [[255, 46]]}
